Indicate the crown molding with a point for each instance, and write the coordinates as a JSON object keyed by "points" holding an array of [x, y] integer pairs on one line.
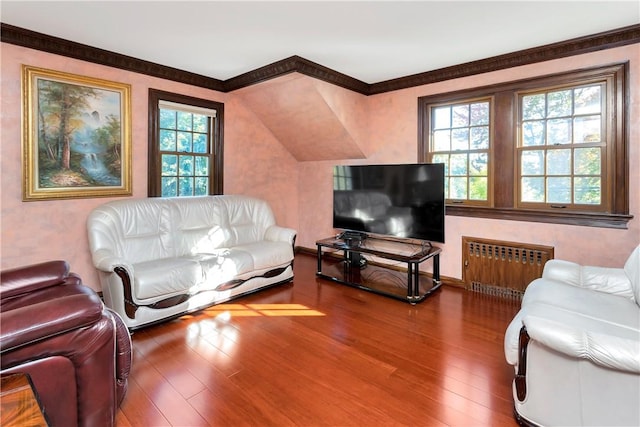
{"points": [[34, 40], [43, 42], [605, 40]]}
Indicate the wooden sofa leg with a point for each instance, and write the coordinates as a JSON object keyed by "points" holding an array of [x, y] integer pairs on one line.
{"points": [[130, 307], [521, 375]]}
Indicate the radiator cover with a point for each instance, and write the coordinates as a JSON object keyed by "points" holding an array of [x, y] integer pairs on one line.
{"points": [[502, 268]]}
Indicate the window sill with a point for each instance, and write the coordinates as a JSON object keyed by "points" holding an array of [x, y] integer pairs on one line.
{"points": [[572, 218]]}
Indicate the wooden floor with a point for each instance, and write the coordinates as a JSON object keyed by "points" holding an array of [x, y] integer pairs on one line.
{"points": [[316, 353]]}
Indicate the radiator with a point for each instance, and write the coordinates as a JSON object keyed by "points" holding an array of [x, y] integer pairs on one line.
{"points": [[502, 268]]}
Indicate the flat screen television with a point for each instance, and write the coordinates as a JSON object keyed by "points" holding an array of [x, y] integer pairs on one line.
{"points": [[399, 200]]}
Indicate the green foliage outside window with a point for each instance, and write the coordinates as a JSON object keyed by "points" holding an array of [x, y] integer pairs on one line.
{"points": [[184, 147]]}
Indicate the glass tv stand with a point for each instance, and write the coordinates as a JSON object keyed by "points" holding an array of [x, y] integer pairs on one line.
{"points": [[382, 278]]}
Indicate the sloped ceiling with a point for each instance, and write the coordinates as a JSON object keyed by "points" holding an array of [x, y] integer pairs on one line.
{"points": [[308, 118]]}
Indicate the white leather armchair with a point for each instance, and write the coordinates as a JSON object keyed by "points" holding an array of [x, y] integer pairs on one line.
{"points": [[575, 346]]}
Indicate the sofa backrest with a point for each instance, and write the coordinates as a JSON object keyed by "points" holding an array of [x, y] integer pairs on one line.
{"points": [[154, 228], [136, 229], [204, 224], [632, 270]]}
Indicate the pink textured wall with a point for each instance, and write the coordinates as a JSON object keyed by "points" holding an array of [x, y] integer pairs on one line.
{"points": [[392, 138], [37, 231], [383, 126]]}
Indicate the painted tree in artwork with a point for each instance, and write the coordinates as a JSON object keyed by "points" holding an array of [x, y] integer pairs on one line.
{"points": [[60, 106]]}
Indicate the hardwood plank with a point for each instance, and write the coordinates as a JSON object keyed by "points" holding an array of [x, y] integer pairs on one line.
{"points": [[319, 353]]}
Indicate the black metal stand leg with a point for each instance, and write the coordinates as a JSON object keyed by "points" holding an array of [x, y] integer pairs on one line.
{"points": [[410, 281], [319, 259]]}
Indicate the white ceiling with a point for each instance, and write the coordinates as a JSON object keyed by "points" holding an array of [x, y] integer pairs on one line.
{"points": [[372, 41]]}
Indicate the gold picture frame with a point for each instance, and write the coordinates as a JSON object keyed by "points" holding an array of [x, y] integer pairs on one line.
{"points": [[76, 140]]}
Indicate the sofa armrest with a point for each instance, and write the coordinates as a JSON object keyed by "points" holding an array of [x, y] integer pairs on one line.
{"points": [[275, 233], [23, 280], [611, 351], [602, 279], [32, 323], [105, 261]]}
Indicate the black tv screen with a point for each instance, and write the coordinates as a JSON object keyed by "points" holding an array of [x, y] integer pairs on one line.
{"points": [[400, 200]]}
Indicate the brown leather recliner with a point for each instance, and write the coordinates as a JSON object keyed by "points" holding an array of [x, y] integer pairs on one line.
{"points": [[76, 351]]}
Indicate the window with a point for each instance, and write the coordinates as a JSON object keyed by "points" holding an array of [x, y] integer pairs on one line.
{"points": [[460, 138], [562, 148], [548, 149], [185, 145]]}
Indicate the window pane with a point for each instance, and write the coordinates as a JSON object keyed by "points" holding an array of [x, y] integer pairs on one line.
{"points": [[559, 190], [588, 190], [460, 115], [458, 188], [532, 133], [442, 140], [460, 139], [478, 164], [479, 114], [533, 107], [586, 129], [167, 140], [559, 131], [186, 186], [480, 138], [186, 166], [199, 143], [442, 118], [442, 158], [202, 186], [446, 187], [477, 188], [532, 189], [202, 166], [559, 103], [169, 165], [185, 121], [587, 100], [587, 161], [200, 123], [459, 164], [169, 187], [456, 130], [185, 140], [559, 162], [167, 119], [532, 162]]}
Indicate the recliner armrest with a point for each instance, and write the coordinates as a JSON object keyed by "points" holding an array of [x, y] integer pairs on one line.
{"points": [[23, 280], [35, 322], [608, 350]]}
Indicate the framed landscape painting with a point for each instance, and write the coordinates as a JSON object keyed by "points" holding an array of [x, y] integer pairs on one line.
{"points": [[76, 139]]}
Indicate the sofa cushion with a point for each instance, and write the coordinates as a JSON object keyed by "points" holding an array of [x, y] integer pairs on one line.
{"points": [[166, 277], [222, 266], [267, 254]]}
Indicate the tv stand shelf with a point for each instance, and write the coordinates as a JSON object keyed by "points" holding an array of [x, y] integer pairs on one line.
{"points": [[382, 279]]}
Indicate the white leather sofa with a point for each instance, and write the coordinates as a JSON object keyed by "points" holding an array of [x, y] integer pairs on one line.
{"points": [[575, 346], [159, 258]]}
